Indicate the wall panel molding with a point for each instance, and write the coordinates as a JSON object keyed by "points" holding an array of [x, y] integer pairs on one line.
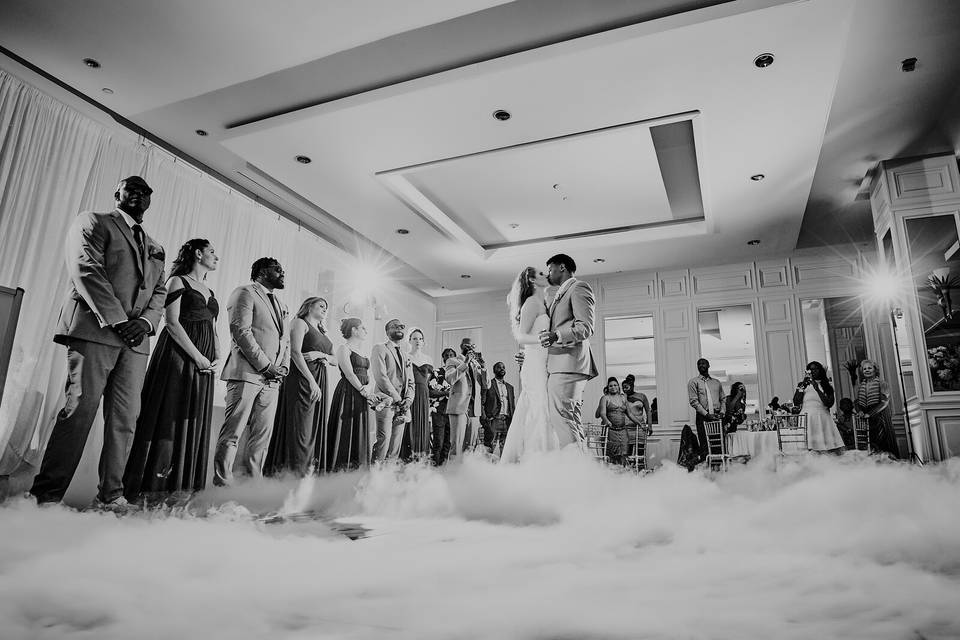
{"points": [[713, 280], [674, 284]]}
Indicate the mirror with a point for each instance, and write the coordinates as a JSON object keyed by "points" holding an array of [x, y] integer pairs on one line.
{"points": [[727, 341], [629, 348]]}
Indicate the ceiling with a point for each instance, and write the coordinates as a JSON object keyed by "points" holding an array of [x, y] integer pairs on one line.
{"points": [[634, 128]]}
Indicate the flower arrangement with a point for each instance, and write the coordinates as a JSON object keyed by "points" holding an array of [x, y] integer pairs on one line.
{"points": [[944, 364]]}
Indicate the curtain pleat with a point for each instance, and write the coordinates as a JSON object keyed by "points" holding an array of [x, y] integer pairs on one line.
{"points": [[56, 162]]}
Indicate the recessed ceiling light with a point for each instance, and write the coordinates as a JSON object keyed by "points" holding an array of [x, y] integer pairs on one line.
{"points": [[599, 260], [107, 90], [501, 115], [753, 243], [514, 225], [403, 232], [763, 60], [90, 62], [303, 160], [200, 132], [757, 177], [908, 65], [465, 276]]}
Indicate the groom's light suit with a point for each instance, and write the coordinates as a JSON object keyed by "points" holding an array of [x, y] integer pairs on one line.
{"points": [[570, 361]]}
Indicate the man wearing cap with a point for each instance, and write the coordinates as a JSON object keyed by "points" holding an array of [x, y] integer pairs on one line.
{"points": [[114, 301]]}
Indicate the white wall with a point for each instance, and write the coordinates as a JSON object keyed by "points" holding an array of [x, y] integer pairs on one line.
{"points": [[772, 288]]}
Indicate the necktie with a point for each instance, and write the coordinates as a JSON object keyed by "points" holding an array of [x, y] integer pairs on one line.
{"points": [[139, 237], [273, 303]]}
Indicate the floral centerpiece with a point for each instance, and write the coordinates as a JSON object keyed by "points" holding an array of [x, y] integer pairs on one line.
{"points": [[944, 364]]}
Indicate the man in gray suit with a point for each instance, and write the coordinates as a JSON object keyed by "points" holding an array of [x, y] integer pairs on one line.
{"points": [[393, 375], [114, 300], [569, 358], [468, 384], [259, 359]]}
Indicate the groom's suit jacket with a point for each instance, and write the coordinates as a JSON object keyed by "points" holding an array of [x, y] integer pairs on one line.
{"points": [[392, 373], [259, 334], [572, 316], [111, 281]]}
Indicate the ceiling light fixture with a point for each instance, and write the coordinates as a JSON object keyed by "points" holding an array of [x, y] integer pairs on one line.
{"points": [[599, 260], [514, 225], [403, 232], [465, 276], [908, 65], [763, 60], [757, 177], [90, 62], [753, 243], [501, 115], [200, 132], [107, 90], [303, 159]]}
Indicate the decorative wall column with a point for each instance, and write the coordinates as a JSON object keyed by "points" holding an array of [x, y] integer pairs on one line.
{"points": [[916, 215]]}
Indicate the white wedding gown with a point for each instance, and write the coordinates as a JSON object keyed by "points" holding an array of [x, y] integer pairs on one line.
{"points": [[530, 431]]}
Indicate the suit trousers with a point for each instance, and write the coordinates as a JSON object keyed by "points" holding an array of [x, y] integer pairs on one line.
{"points": [[389, 436], [565, 403], [495, 431], [94, 370], [252, 404], [441, 438], [458, 433]]}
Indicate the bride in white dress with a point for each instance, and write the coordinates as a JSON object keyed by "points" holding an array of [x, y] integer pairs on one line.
{"points": [[530, 430]]}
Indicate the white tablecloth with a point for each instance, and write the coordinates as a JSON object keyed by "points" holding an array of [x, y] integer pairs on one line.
{"points": [[753, 443]]}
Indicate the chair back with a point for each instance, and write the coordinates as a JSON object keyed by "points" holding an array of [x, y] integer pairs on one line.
{"points": [[861, 433], [792, 434], [596, 439], [637, 445], [716, 444]]}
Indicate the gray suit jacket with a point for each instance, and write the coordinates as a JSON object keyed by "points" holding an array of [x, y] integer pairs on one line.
{"points": [[110, 281], [455, 372], [392, 377], [572, 316], [258, 337]]}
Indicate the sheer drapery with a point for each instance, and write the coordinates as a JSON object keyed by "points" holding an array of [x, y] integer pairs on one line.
{"points": [[56, 162]]}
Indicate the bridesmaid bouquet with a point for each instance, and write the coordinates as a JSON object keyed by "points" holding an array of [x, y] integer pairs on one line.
{"points": [[401, 414]]}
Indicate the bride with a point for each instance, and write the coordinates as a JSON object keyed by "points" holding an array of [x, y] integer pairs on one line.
{"points": [[530, 430]]}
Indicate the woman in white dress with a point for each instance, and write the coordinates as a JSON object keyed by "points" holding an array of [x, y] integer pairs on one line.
{"points": [[816, 395], [530, 430]]}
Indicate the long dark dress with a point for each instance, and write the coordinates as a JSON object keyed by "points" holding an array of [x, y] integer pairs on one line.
{"points": [[293, 445], [416, 439], [171, 444], [347, 438]]}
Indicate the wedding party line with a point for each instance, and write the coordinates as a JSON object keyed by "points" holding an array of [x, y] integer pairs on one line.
{"points": [[157, 415]]}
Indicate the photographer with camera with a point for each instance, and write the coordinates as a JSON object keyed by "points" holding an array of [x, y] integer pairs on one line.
{"points": [[468, 379]]}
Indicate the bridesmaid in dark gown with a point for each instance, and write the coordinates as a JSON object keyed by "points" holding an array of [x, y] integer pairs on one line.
{"points": [[293, 446], [347, 437], [171, 443], [416, 439]]}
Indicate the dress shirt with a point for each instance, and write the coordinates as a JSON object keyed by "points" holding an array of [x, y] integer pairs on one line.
{"points": [[502, 392], [705, 394]]}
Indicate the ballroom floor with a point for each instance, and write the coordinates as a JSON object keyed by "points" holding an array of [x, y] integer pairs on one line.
{"points": [[557, 548]]}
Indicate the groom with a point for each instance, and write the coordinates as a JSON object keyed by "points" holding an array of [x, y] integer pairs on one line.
{"points": [[569, 359]]}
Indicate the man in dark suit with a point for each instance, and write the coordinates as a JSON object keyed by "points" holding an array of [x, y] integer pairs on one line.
{"points": [[258, 361], [498, 406], [114, 300]]}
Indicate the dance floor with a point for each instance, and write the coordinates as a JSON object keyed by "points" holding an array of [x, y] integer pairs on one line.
{"points": [[557, 548]]}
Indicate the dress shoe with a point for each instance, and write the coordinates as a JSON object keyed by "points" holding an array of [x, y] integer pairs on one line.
{"points": [[117, 505]]}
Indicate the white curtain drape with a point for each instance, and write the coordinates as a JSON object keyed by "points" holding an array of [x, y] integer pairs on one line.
{"points": [[56, 162]]}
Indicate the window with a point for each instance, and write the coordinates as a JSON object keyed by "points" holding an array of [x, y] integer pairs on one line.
{"points": [[726, 340], [628, 348], [934, 249]]}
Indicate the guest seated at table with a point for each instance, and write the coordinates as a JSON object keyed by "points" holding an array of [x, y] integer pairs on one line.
{"points": [[844, 420], [735, 407], [613, 414], [774, 405]]}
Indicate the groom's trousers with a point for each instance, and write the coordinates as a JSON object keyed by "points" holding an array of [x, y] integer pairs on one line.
{"points": [[565, 398]]}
